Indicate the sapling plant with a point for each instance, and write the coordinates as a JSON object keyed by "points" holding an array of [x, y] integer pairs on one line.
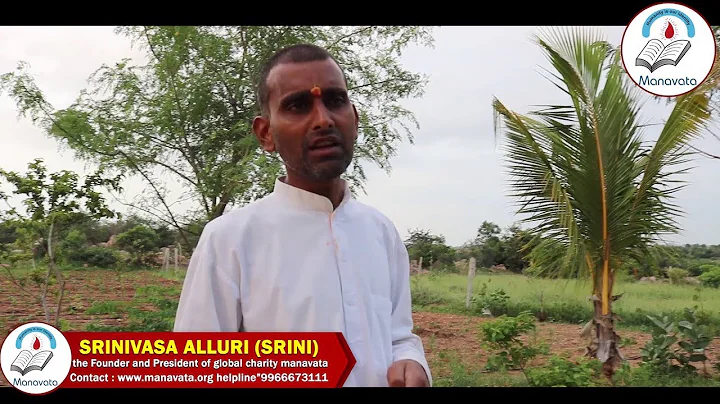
{"points": [[51, 201]]}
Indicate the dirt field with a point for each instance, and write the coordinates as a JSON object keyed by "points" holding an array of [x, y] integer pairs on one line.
{"points": [[442, 334], [83, 289]]}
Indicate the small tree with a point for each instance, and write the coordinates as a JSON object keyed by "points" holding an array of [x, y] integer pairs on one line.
{"points": [[52, 201], [138, 241], [596, 193], [430, 247]]}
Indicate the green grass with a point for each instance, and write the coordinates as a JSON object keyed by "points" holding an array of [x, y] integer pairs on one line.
{"points": [[107, 307], [459, 375], [164, 301], [567, 300]]}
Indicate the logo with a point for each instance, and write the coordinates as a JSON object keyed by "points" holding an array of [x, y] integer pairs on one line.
{"points": [[668, 49], [35, 358]]}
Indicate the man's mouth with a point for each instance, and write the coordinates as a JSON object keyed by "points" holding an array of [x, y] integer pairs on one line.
{"points": [[326, 148], [325, 144]]}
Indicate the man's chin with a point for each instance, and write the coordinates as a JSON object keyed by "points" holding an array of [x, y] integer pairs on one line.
{"points": [[328, 169]]}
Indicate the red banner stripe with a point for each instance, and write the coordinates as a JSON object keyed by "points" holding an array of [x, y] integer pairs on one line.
{"points": [[202, 360]]}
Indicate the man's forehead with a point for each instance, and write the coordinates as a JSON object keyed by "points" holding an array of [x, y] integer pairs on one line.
{"points": [[287, 78]]}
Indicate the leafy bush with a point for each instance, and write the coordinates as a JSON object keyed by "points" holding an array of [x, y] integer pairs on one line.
{"points": [[74, 250], [561, 372], [677, 275], [75, 240], [707, 268], [138, 241], [711, 278], [502, 338], [72, 247], [691, 339], [99, 257], [495, 302]]}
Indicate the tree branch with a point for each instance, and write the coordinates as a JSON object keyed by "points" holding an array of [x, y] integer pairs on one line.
{"points": [[192, 158]]}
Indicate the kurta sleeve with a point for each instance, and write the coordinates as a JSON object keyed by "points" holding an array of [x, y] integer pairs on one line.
{"points": [[210, 297], [406, 344]]}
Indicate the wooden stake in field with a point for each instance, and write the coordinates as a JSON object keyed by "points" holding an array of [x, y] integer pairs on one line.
{"points": [[471, 276], [166, 258]]}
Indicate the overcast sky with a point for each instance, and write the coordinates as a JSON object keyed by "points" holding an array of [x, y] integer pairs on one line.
{"points": [[449, 182]]}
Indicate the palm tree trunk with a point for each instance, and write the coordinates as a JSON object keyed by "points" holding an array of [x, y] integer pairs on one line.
{"points": [[604, 345]]}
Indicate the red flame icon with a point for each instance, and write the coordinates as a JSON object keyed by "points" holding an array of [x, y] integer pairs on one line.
{"points": [[36, 344], [669, 31]]}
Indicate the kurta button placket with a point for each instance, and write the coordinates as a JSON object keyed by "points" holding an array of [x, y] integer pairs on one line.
{"points": [[347, 280]]}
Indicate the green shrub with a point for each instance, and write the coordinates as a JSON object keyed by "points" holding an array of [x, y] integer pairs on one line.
{"points": [[677, 275], [502, 338], [707, 268], [97, 257], [711, 278], [562, 372], [675, 346]]}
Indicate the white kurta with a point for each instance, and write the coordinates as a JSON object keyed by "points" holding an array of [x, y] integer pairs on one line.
{"points": [[288, 262]]}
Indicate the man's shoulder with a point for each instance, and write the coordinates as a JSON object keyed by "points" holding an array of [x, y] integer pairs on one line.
{"points": [[239, 218], [373, 214]]}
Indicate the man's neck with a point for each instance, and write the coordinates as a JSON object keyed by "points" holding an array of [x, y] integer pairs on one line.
{"points": [[333, 189]]}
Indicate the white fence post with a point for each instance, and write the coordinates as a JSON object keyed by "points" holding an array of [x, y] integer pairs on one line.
{"points": [[471, 276]]}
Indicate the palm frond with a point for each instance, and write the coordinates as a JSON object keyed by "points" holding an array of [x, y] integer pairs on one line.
{"points": [[538, 183], [581, 171]]}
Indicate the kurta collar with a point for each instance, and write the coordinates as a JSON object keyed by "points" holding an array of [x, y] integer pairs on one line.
{"points": [[307, 200]]}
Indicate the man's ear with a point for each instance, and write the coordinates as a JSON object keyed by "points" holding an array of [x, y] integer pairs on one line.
{"points": [[357, 120], [261, 128]]}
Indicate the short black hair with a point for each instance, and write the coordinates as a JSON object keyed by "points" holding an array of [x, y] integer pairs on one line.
{"points": [[298, 53]]}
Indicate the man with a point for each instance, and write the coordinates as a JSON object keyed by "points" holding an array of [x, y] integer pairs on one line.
{"points": [[308, 257]]}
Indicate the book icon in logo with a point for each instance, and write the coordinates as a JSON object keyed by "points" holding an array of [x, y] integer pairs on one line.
{"points": [[27, 362], [656, 55]]}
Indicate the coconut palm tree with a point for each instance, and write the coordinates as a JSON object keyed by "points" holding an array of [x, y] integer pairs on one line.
{"points": [[592, 189]]}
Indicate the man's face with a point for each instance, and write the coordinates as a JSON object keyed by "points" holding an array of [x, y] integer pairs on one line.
{"points": [[313, 133]]}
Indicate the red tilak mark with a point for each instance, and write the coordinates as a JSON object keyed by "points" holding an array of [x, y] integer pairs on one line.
{"points": [[316, 91]]}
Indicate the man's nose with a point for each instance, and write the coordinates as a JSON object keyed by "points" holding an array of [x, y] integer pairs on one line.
{"points": [[322, 118]]}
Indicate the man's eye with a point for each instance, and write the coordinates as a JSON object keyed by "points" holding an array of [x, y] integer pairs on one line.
{"points": [[338, 100], [295, 106]]}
